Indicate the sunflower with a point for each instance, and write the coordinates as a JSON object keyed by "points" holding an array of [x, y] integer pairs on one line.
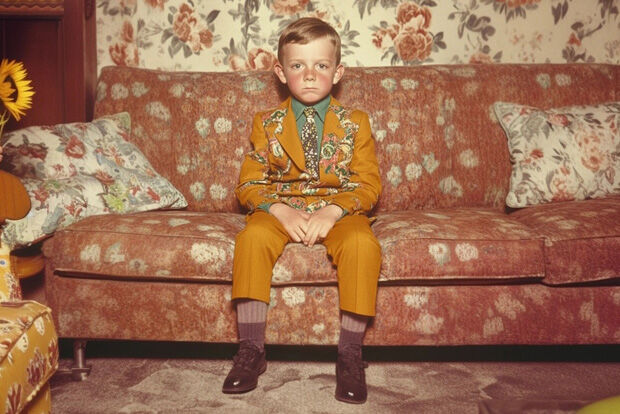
{"points": [[15, 90]]}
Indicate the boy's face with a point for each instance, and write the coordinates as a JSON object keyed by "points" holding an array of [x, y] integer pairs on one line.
{"points": [[309, 70]]}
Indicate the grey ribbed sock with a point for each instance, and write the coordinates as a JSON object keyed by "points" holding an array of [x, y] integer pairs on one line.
{"points": [[251, 321]]}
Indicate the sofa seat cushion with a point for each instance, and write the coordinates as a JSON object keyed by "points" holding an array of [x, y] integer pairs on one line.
{"points": [[457, 244], [28, 352], [440, 245], [166, 245], [172, 245], [581, 239]]}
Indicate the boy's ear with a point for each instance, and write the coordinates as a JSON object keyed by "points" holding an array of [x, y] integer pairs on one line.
{"points": [[279, 71], [338, 74]]}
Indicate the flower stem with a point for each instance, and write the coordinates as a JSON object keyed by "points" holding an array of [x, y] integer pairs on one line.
{"points": [[3, 120]]}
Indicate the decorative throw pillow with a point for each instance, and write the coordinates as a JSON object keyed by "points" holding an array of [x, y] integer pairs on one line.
{"points": [[76, 170], [561, 154]]}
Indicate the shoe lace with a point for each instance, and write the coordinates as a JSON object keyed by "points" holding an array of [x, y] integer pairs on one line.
{"points": [[246, 354]]}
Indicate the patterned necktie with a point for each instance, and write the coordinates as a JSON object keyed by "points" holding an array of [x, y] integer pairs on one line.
{"points": [[309, 142]]}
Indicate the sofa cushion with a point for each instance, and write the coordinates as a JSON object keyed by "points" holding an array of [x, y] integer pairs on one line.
{"points": [[28, 352], [167, 245], [561, 154], [79, 169], [582, 242], [440, 245], [457, 244], [172, 245]]}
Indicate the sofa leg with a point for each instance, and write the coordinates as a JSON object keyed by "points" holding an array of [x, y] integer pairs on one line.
{"points": [[79, 370]]}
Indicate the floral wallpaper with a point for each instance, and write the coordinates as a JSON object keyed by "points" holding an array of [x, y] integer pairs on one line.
{"points": [[231, 35]]}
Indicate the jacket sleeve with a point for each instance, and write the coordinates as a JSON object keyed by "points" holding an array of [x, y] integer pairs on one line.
{"points": [[361, 193], [254, 187]]}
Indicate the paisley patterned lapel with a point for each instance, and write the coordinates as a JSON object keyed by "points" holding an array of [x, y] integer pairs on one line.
{"points": [[280, 125], [337, 142], [332, 128]]}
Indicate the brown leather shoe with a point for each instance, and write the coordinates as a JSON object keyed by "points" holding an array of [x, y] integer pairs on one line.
{"points": [[248, 364], [350, 376]]}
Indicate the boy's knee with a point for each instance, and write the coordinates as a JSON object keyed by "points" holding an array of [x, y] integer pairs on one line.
{"points": [[256, 232], [362, 239], [253, 232]]}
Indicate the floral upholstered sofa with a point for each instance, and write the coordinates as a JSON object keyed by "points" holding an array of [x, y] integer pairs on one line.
{"points": [[499, 219], [28, 347]]}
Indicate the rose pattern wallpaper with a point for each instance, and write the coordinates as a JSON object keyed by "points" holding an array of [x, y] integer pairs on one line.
{"points": [[232, 35]]}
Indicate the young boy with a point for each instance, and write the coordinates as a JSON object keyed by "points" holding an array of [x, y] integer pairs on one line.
{"points": [[311, 178]]}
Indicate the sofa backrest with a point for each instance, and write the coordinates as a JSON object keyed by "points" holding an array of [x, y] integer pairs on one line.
{"points": [[438, 141]]}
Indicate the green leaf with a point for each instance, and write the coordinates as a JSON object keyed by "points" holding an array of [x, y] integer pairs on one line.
{"points": [[167, 34], [361, 6], [212, 16], [175, 46]]}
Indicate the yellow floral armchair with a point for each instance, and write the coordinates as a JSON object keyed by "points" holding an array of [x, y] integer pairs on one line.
{"points": [[28, 339]]}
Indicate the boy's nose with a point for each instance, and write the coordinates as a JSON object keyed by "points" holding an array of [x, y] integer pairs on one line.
{"points": [[309, 74]]}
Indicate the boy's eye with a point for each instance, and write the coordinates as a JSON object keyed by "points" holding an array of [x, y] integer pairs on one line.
{"points": [[295, 66], [322, 66]]}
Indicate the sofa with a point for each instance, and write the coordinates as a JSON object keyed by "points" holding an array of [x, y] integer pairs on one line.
{"points": [[473, 252], [28, 339]]}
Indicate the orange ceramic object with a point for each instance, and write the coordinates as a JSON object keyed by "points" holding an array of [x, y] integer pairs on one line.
{"points": [[14, 200]]}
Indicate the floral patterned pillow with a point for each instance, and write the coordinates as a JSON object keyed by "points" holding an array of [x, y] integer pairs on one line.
{"points": [[76, 170], [561, 154]]}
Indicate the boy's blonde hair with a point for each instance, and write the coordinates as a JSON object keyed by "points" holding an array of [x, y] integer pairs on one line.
{"points": [[305, 30]]}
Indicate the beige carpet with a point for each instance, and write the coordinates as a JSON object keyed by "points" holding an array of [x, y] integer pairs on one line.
{"points": [[187, 378]]}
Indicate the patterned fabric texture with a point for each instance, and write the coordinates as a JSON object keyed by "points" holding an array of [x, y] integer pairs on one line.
{"points": [[9, 285], [457, 244], [28, 347], [308, 138], [28, 354], [561, 154], [434, 146], [457, 269], [439, 245], [77, 170], [582, 239], [406, 315]]}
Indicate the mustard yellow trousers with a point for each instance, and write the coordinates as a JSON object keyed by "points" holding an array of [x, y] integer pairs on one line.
{"points": [[351, 244]]}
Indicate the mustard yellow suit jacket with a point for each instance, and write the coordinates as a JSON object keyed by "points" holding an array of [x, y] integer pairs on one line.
{"points": [[275, 171]]}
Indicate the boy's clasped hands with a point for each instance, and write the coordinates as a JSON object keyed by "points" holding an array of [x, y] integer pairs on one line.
{"points": [[304, 227]]}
